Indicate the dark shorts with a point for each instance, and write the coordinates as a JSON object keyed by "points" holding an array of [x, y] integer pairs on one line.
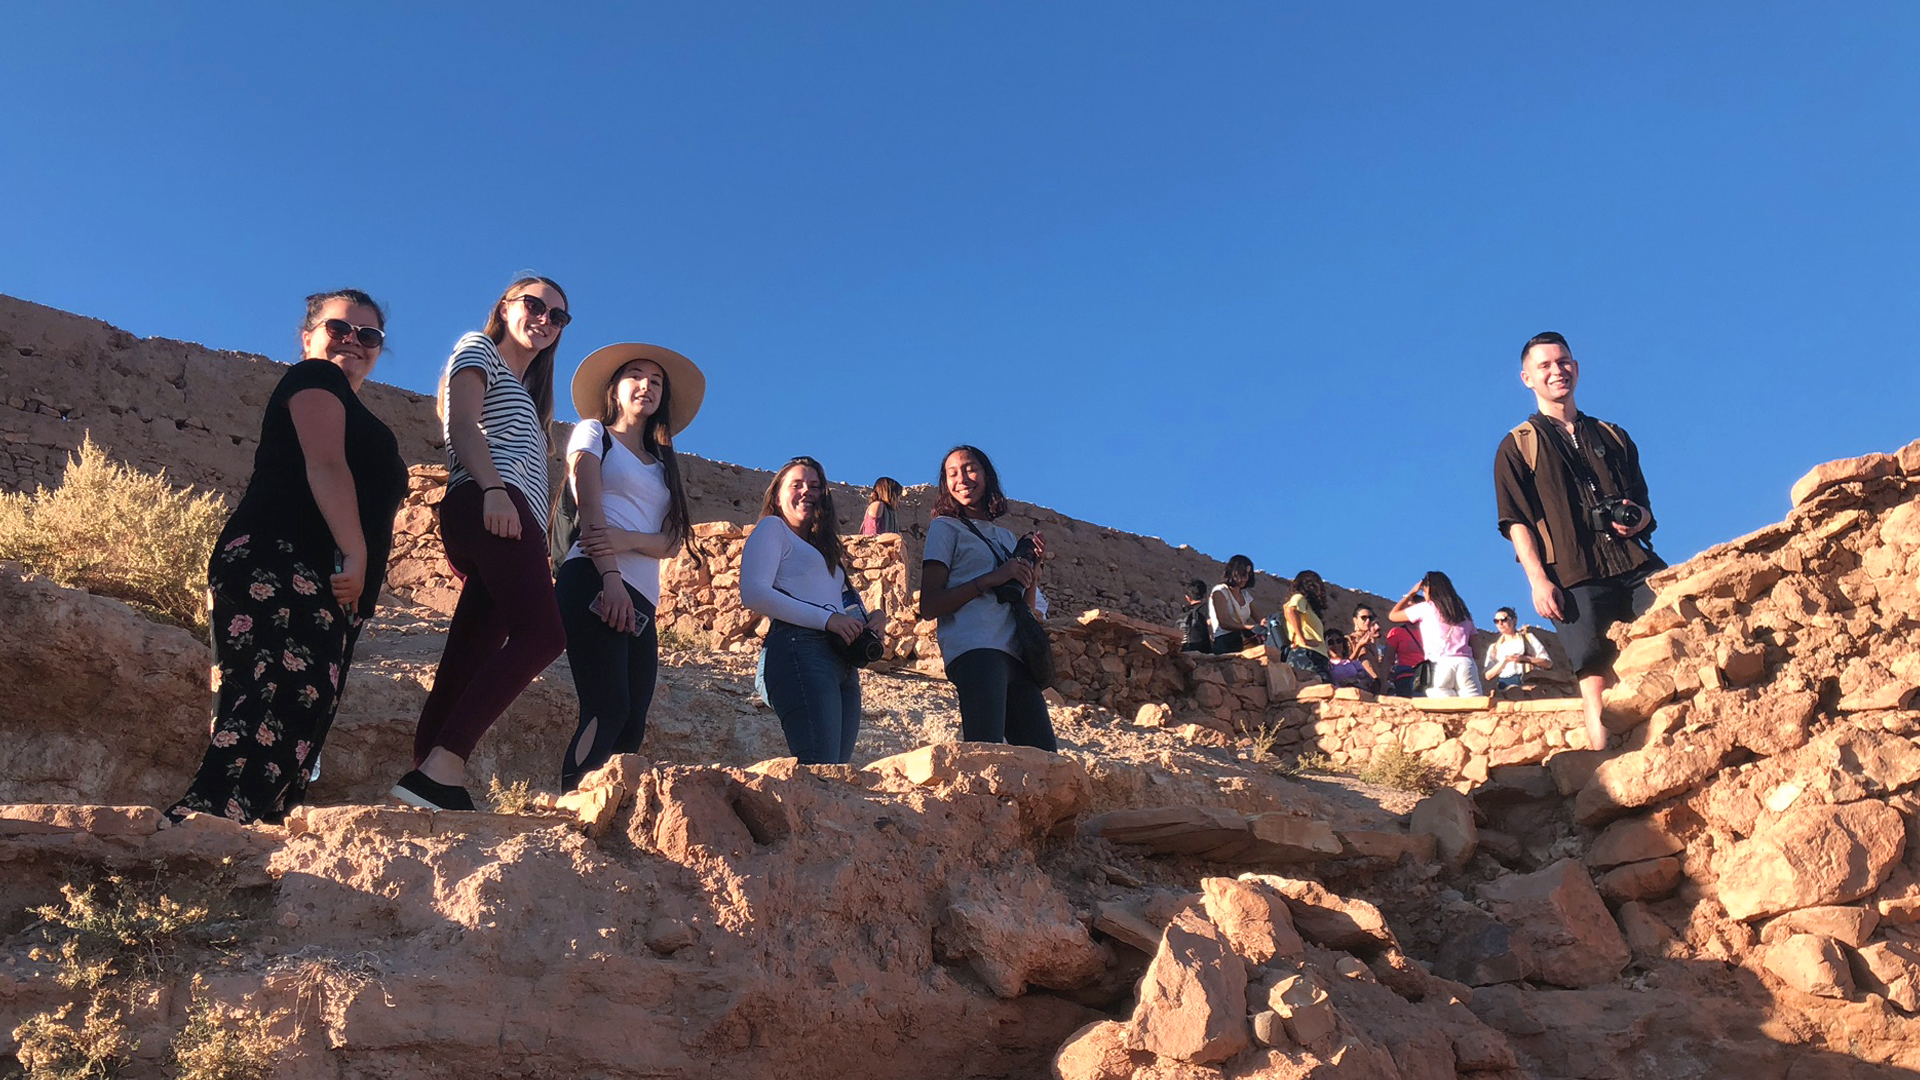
{"points": [[1590, 608]]}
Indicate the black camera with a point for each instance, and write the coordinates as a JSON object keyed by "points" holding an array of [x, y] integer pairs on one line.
{"points": [[1010, 592], [862, 650], [1615, 512], [865, 648]]}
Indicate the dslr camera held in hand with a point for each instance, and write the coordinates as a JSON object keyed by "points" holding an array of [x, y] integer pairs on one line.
{"points": [[864, 649], [1010, 592], [1614, 512]]}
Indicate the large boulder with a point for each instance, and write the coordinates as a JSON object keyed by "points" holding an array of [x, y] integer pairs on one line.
{"points": [[1323, 916], [1650, 775], [1811, 964], [1560, 920], [1048, 788], [1193, 998], [1447, 816], [1812, 855], [1254, 918]]}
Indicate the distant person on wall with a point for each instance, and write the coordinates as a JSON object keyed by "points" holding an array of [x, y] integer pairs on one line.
{"points": [[1368, 638], [881, 517], [1573, 502], [497, 395], [1351, 667], [1405, 658], [1196, 634], [297, 569], [1446, 635], [1515, 654], [794, 571], [1306, 636], [973, 574], [633, 400], [1230, 615]]}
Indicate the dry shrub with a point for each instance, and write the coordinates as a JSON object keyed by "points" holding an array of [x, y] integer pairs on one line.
{"points": [[514, 798], [97, 1048], [1260, 741], [118, 532], [675, 641], [218, 1044]]}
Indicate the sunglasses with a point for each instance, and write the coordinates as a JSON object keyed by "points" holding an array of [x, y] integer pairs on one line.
{"points": [[369, 337], [536, 307]]}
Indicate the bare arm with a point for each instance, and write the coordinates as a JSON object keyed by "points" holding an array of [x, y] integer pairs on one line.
{"points": [[320, 425], [616, 607], [938, 598], [1526, 547], [466, 394]]}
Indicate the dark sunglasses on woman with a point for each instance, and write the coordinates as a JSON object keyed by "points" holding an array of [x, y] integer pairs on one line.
{"points": [[536, 307], [369, 337]]}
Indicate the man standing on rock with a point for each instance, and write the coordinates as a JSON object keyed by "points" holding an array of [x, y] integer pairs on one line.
{"points": [[1573, 501]]}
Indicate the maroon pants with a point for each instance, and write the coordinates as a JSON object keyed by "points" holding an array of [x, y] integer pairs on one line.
{"points": [[506, 628]]}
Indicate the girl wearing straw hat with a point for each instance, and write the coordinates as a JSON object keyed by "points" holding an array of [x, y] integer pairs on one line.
{"points": [[633, 399]]}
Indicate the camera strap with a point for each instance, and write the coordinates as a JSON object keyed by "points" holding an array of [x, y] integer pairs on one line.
{"points": [[1575, 458], [1004, 557]]}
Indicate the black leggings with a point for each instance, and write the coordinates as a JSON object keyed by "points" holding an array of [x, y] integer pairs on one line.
{"points": [[613, 673], [999, 701]]}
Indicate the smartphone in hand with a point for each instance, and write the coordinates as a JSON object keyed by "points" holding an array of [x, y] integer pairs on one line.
{"points": [[640, 618]]}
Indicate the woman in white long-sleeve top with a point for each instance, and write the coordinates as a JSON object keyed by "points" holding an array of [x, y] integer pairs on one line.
{"points": [[794, 571]]}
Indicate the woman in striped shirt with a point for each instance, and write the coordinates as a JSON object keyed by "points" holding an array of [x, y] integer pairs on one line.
{"points": [[497, 398]]}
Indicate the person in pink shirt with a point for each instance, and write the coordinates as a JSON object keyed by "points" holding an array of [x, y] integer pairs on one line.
{"points": [[1435, 609]]}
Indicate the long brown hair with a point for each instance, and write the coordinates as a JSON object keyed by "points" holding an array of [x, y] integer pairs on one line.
{"points": [[539, 377], [1446, 599], [822, 530], [656, 436]]}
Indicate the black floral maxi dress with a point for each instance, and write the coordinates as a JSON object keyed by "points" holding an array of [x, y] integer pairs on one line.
{"points": [[281, 643]]}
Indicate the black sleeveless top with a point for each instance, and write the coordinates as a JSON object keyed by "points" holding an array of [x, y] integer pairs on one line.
{"points": [[279, 502]]}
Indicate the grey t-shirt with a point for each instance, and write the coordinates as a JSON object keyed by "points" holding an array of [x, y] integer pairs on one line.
{"points": [[983, 622]]}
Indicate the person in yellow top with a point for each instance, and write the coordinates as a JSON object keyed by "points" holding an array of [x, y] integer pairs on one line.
{"points": [[1306, 637]]}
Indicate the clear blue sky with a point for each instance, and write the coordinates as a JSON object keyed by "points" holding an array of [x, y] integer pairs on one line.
{"points": [[1249, 276]]}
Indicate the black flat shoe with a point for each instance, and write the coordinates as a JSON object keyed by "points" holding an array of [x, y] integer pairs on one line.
{"points": [[417, 789]]}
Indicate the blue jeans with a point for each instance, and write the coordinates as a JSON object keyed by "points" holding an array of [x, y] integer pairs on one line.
{"points": [[1509, 682], [815, 693]]}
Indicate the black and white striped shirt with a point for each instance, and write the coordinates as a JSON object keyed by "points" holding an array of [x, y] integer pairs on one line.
{"points": [[508, 419]]}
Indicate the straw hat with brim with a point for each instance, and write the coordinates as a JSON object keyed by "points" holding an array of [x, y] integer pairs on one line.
{"points": [[685, 382]]}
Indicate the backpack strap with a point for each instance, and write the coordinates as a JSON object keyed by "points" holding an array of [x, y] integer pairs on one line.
{"points": [[1527, 441]]}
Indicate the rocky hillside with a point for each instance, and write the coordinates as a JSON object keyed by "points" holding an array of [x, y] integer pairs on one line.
{"points": [[1733, 895], [1187, 892]]}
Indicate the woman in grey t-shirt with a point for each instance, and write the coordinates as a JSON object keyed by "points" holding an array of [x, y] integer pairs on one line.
{"points": [[967, 559]]}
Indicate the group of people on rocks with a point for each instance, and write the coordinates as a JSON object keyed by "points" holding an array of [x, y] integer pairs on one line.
{"points": [[1425, 646], [1579, 520], [296, 571]]}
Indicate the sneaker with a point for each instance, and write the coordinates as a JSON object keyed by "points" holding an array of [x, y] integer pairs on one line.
{"points": [[417, 789]]}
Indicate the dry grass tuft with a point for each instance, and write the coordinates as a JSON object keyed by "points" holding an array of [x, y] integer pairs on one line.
{"points": [[1260, 741], [514, 798], [118, 532], [1395, 766]]}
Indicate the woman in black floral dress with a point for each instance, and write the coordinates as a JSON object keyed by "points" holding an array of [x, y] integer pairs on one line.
{"points": [[298, 567]]}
